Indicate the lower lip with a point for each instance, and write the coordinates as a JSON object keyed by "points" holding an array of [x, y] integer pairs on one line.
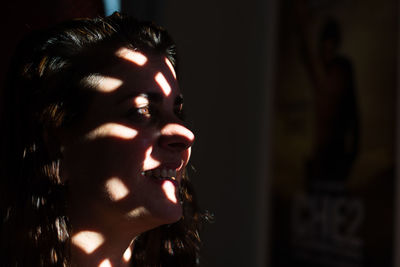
{"points": [[171, 193], [161, 181]]}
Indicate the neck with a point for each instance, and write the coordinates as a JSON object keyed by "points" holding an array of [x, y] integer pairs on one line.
{"points": [[102, 241], [100, 247]]}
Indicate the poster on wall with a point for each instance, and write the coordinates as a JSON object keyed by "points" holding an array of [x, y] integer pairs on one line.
{"points": [[333, 153]]}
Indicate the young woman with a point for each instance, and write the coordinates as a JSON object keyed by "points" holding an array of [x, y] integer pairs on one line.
{"points": [[95, 150]]}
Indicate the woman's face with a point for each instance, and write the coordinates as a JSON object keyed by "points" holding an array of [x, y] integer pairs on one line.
{"points": [[125, 159]]}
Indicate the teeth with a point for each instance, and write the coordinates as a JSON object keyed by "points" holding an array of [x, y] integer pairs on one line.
{"points": [[161, 174], [147, 173]]}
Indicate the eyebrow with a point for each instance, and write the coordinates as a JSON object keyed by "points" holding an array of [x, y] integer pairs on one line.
{"points": [[152, 97]]}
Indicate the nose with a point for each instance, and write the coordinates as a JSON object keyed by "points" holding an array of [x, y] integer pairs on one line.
{"points": [[176, 137]]}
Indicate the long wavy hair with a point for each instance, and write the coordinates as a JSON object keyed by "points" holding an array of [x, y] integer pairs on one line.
{"points": [[41, 95]]}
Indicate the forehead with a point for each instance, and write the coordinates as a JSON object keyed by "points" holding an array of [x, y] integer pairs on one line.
{"points": [[125, 70]]}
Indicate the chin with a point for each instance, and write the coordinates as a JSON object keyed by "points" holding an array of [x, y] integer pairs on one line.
{"points": [[169, 214]]}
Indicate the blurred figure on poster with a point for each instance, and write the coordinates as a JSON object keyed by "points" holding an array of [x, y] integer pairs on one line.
{"points": [[336, 121]]}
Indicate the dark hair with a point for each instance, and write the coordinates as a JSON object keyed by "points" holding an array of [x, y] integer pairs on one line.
{"points": [[42, 94]]}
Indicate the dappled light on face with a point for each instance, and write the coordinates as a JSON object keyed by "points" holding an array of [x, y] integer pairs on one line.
{"points": [[105, 263], [169, 190], [116, 189], [88, 241], [132, 56], [137, 213], [163, 83], [169, 64], [149, 162], [102, 83], [141, 101], [112, 130], [127, 255]]}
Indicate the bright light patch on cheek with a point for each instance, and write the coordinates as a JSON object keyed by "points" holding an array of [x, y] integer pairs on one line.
{"points": [[88, 241], [112, 130], [169, 190], [105, 263], [171, 68], [162, 82], [132, 56], [149, 162], [116, 189]]}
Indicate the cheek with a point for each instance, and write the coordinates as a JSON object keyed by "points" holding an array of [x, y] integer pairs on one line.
{"points": [[107, 164], [116, 189], [104, 172], [98, 160], [149, 161]]}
